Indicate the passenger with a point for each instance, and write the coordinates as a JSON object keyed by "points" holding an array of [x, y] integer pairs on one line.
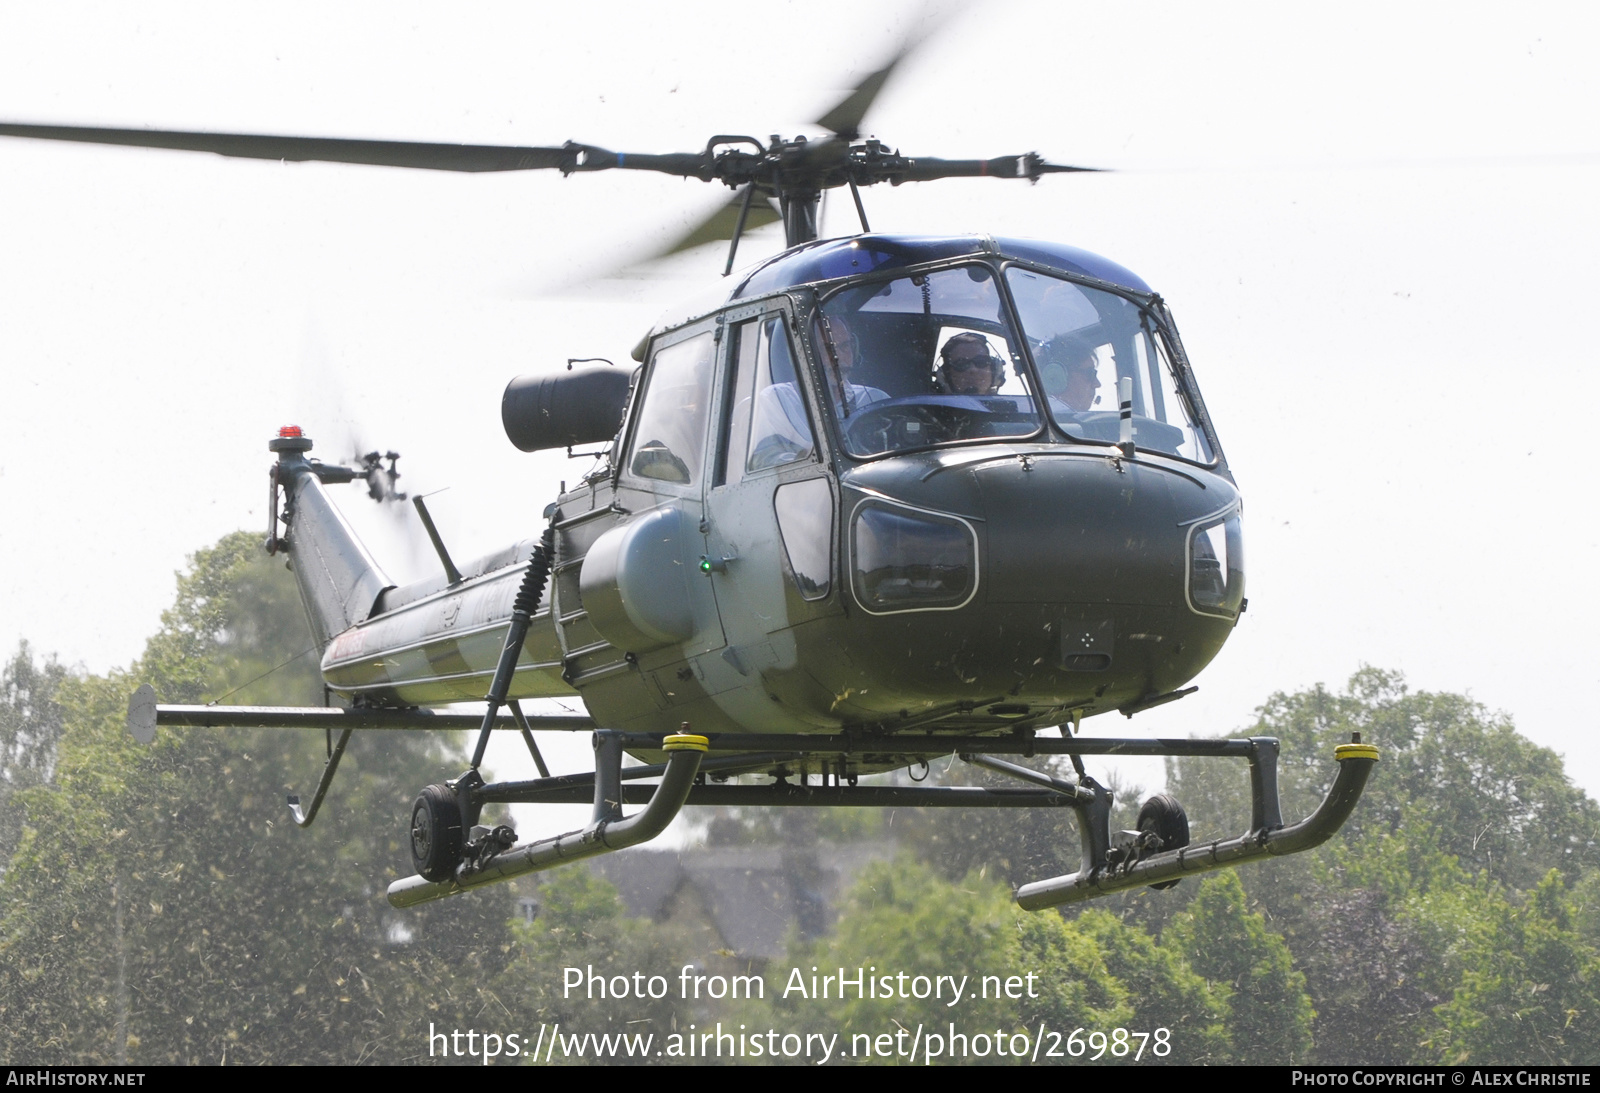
{"points": [[969, 366], [841, 351], [1070, 369], [780, 432]]}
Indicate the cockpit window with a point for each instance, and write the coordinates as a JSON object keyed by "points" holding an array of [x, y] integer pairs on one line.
{"points": [[669, 437], [767, 426], [923, 360], [1085, 342]]}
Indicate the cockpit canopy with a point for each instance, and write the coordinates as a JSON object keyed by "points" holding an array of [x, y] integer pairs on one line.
{"points": [[928, 342], [831, 259]]}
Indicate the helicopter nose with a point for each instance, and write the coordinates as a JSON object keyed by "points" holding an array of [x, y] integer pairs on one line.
{"points": [[1083, 530], [1052, 578], [1096, 551]]}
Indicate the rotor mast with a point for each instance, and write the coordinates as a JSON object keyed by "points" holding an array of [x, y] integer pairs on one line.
{"points": [[799, 211]]}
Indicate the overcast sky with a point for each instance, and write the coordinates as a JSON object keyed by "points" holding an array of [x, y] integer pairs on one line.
{"points": [[1377, 230]]}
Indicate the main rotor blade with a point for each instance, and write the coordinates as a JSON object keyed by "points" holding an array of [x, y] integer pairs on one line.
{"points": [[377, 153], [719, 225], [408, 154], [1028, 165], [568, 158], [845, 118]]}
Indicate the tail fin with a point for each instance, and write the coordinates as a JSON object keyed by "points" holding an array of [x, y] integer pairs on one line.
{"points": [[339, 580]]}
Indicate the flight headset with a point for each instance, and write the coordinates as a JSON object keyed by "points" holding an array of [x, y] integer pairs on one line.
{"points": [[997, 367]]}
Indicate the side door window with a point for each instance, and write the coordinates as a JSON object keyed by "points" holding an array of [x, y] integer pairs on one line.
{"points": [[669, 434], [767, 424], [768, 479], [665, 470]]}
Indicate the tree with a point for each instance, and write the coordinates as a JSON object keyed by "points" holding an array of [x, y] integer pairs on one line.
{"points": [[1496, 801], [582, 926], [1531, 993], [1270, 1013], [1388, 919], [30, 728], [160, 908], [1378, 936], [903, 920], [1163, 990]]}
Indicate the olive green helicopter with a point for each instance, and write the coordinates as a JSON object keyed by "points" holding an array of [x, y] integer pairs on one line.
{"points": [[878, 500]]}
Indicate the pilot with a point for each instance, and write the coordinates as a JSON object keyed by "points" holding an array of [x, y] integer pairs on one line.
{"points": [[969, 366], [1070, 370]]}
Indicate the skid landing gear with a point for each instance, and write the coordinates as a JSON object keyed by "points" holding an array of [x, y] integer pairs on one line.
{"points": [[453, 853], [491, 854], [1159, 854]]}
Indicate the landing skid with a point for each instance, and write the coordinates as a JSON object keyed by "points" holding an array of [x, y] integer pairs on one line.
{"points": [[490, 857], [1157, 854]]}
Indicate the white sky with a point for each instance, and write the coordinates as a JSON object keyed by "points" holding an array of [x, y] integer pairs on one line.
{"points": [[1377, 228]]}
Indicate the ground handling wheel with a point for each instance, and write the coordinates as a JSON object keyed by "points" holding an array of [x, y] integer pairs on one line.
{"points": [[436, 833], [1163, 817]]}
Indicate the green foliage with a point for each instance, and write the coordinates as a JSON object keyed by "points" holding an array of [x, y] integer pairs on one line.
{"points": [[1530, 992], [1586, 907], [1495, 801], [906, 918], [1376, 933], [1164, 991], [1397, 919], [581, 926], [1270, 1013], [30, 729], [161, 908]]}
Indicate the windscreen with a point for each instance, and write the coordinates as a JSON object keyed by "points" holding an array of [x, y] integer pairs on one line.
{"points": [[923, 360], [1084, 342]]}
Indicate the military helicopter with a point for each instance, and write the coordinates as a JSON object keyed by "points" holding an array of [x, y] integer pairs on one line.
{"points": [[877, 500]]}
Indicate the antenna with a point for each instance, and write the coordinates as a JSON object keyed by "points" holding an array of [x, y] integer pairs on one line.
{"points": [[450, 569]]}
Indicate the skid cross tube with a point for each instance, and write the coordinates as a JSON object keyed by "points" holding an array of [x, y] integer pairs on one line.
{"points": [[929, 744], [1267, 839], [576, 788], [789, 795], [608, 789], [603, 834]]}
